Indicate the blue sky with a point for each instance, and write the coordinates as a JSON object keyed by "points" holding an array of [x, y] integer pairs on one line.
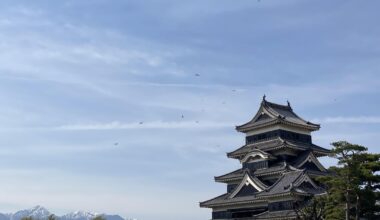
{"points": [[77, 78]]}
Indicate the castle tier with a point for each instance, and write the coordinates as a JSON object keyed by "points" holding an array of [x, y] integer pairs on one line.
{"points": [[279, 167]]}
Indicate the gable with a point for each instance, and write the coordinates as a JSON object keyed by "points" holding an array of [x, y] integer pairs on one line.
{"points": [[305, 180], [255, 155], [306, 185], [248, 186], [310, 166], [254, 159], [247, 190], [311, 162], [263, 117]]}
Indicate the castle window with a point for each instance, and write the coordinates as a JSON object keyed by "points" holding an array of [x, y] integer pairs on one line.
{"points": [[287, 135]]}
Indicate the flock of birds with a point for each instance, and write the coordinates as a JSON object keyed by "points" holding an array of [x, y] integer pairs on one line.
{"points": [[182, 116]]}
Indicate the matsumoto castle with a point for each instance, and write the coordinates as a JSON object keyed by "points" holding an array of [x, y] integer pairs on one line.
{"points": [[279, 167]]}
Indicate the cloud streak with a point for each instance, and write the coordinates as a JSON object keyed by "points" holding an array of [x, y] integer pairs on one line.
{"points": [[116, 125], [350, 120]]}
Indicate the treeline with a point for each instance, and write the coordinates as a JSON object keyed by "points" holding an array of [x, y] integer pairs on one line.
{"points": [[352, 187]]}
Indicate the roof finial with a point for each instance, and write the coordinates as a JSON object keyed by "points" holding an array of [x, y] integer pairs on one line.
{"points": [[288, 104], [264, 97]]}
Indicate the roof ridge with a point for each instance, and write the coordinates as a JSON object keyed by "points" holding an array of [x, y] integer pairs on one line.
{"points": [[286, 107], [270, 104]]}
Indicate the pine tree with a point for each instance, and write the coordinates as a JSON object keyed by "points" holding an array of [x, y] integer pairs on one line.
{"points": [[99, 217], [353, 183]]}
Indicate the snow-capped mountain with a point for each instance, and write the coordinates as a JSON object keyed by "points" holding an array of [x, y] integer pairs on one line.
{"points": [[37, 212], [79, 215], [41, 213]]}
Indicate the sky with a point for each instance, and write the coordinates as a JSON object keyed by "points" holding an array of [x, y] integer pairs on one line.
{"points": [[129, 107]]}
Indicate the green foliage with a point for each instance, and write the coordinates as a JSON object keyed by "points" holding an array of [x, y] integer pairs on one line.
{"points": [[352, 187], [27, 218], [99, 217], [52, 217], [334, 208], [314, 209]]}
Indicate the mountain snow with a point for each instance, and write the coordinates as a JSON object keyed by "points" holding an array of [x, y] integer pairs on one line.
{"points": [[41, 213], [79, 215], [37, 212]]}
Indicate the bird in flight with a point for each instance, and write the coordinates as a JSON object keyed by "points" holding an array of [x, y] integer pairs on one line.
{"points": [[141, 122], [197, 74]]}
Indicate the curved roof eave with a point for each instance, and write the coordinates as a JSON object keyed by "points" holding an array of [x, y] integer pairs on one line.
{"points": [[269, 109]]}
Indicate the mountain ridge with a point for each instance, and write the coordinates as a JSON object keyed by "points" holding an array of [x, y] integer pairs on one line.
{"points": [[40, 213]]}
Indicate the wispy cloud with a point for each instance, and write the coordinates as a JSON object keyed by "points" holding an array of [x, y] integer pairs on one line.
{"points": [[116, 125], [86, 62], [354, 120]]}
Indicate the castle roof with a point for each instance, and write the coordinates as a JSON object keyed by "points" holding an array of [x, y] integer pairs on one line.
{"points": [[276, 215], [271, 113], [273, 170], [239, 173], [308, 156], [278, 143], [232, 176], [224, 200], [288, 184]]}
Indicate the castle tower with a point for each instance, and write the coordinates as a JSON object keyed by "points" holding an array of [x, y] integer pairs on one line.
{"points": [[279, 167]]}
